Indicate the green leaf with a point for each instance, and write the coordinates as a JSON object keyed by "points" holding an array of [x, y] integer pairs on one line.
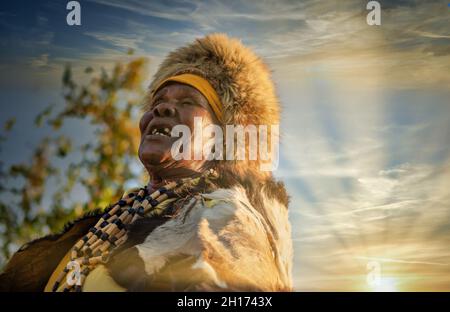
{"points": [[9, 124], [44, 114], [67, 75]]}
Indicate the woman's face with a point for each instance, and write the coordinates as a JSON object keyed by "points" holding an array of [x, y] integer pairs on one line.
{"points": [[174, 104]]}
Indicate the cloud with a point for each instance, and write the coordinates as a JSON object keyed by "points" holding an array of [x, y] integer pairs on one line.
{"points": [[40, 61], [170, 11], [362, 171], [125, 41], [298, 39], [401, 261], [390, 214]]}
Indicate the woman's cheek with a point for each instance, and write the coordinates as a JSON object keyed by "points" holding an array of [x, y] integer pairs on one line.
{"points": [[143, 123]]}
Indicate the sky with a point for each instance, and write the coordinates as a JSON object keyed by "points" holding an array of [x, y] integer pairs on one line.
{"points": [[365, 127]]}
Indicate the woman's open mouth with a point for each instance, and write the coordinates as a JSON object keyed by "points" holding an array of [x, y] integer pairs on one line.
{"points": [[159, 130]]}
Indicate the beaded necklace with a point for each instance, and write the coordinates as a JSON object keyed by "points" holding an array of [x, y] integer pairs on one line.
{"points": [[111, 229]]}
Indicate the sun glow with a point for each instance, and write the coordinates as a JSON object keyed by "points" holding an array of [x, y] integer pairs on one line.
{"points": [[385, 284]]}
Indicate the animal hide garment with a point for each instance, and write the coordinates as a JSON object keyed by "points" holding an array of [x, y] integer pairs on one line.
{"points": [[218, 241]]}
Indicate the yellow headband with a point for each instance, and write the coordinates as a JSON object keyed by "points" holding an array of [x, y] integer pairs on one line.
{"points": [[203, 86]]}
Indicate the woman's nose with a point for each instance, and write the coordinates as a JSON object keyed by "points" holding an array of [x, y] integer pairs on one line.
{"points": [[164, 110]]}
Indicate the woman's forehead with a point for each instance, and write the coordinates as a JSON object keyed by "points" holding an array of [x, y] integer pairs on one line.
{"points": [[181, 91], [177, 89]]}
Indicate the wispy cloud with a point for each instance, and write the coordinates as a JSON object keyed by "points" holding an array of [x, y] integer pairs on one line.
{"points": [[125, 41], [401, 261], [40, 61]]}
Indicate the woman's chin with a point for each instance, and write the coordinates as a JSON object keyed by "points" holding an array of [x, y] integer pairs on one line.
{"points": [[151, 157]]}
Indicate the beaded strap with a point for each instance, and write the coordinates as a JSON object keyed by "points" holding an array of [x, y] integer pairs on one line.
{"points": [[111, 229]]}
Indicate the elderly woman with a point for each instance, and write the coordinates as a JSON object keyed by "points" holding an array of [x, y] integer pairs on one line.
{"points": [[199, 224]]}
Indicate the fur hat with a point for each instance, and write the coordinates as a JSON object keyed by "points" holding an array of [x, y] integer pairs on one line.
{"points": [[240, 78]]}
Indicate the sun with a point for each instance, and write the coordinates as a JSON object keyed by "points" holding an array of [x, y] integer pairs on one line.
{"points": [[385, 284]]}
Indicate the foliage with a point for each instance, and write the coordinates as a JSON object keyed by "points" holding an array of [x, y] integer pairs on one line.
{"points": [[31, 206]]}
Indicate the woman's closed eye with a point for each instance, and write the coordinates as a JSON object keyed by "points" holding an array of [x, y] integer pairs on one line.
{"points": [[189, 101]]}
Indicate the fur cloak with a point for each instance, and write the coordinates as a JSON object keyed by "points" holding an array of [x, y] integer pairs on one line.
{"points": [[220, 240]]}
